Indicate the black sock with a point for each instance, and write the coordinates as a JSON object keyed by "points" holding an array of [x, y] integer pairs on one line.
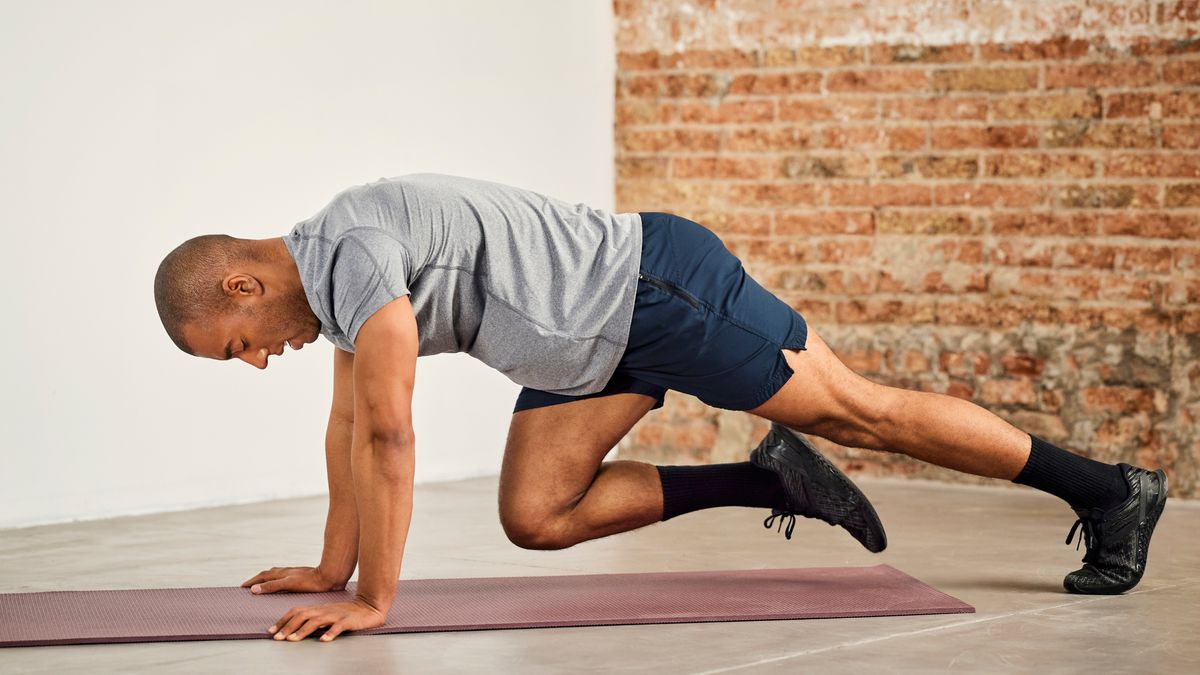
{"points": [[691, 488], [1077, 480]]}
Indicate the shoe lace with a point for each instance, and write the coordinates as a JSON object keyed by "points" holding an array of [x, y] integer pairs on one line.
{"points": [[1087, 525], [781, 515]]}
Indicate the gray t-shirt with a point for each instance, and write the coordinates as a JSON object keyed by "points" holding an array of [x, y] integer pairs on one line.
{"points": [[536, 287]]}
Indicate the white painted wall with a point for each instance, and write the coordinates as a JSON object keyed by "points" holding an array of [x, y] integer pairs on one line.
{"points": [[129, 126]]}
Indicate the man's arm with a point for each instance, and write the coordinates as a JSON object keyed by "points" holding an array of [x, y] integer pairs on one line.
{"points": [[382, 458], [341, 524]]}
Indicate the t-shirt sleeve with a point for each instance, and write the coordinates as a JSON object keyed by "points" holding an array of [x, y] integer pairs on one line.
{"points": [[367, 271]]}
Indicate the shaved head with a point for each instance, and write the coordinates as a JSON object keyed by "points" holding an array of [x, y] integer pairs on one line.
{"points": [[188, 285]]}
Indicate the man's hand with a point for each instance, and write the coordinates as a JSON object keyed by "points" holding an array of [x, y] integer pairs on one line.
{"points": [[295, 579], [298, 622]]}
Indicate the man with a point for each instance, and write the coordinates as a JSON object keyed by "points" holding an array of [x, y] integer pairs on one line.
{"points": [[596, 314]]}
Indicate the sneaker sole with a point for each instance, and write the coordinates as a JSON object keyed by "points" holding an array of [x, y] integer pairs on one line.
{"points": [[797, 453]]}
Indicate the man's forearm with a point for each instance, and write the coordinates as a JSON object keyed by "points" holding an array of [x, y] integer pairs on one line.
{"points": [[383, 482], [340, 554]]}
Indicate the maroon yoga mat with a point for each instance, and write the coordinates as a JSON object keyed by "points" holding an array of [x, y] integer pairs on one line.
{"points": [[421, 605]]}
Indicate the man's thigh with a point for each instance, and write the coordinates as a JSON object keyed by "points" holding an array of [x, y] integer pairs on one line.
{"points": [[553, 452]]}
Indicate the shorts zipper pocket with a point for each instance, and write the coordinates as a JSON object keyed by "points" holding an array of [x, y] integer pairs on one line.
{"points": [[670, 288]]}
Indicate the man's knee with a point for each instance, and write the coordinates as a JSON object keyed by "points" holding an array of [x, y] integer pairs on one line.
{"points": [[534, 532]]}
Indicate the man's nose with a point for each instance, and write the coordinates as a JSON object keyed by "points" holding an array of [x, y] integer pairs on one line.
{"points": [[257, 359]]}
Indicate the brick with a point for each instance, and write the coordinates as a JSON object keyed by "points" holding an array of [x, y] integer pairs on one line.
{"points": [[825, 166], [862, 361], [1100, 75], [965, 364], [1155, 165], [905, 138], [878, 310], [954, 279], [734, 223], [837, 281], [879, 194], [1156, 225], [959, 389], [1051, 285], [1022, 364], [938, 251], [1181, 136], [642, 167], [675, 85], [720, 167], [812, 309], [1155, 259], [909, 53], [1178, 10], [985, 79], [1182, 195], [845, 249], [727, 112], [929, 166], [1182, 291], [906, 221], [1032, 224], [717, 59], [995, 195], [1148, 46], [1008, 136], [1042, 425], [1058, 48], [1185, 258], [816, 57], [824, 222], [883, 80], [1008, 392], [938, 108], [753, 139], [1181, 104], [912, 361], [1084, 133], [666, 140], [1182, 72], [646, 60], [1128, 287], [775, 83], [1107, 196], [655, 195], [1033, 253], [637, 111], [829, 108], [1037, 165], [858, 137], [1047, 107], [1121, 400], [773, 195], [775, 251]]}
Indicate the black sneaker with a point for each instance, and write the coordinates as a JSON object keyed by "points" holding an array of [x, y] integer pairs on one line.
{"points": [[1118, 538], [816, 488]]}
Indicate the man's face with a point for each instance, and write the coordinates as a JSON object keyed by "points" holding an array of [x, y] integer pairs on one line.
{"points": [[255, 328]]}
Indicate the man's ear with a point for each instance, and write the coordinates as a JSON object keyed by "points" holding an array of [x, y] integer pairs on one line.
{"points": [[242, 284]]}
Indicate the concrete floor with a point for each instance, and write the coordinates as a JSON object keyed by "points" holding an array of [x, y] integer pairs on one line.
{"points": [[999, 549]]}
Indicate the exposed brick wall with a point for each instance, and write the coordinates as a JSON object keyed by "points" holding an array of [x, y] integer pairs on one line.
{"points": [[995, 201]]}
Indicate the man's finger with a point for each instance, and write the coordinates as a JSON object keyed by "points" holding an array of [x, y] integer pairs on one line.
{"points": [[312, 623], [335, 629], [255, 579], [298, 616], [271, 586]]}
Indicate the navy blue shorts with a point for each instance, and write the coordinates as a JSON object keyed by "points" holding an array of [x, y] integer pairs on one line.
{"points": [[701, 325]]}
